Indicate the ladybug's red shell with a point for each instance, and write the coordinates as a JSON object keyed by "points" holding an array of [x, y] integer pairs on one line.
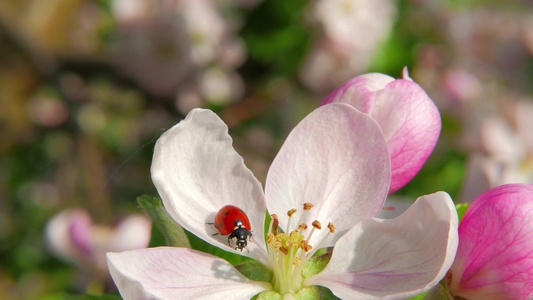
{"points": [[226, 218]]}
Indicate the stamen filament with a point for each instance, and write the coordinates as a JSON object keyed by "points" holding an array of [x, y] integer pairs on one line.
{"points": [[290, 250]]}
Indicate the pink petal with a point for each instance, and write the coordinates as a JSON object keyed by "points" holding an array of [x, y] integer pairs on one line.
{"points": [[397, 258], [197, 172], [59, 234], [80, 230], [410, 120], [495, 255], [336, 159], [178, 273]]}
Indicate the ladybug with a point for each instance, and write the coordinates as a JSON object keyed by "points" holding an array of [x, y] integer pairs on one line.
{"points": [[233, 221]]}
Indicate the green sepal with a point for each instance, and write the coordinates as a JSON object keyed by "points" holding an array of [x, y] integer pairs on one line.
{"points": [[315, 265], [461, 210], [306, 293], [439, 292], [173, 232], [269, 295], [419, 297], [254, 270]]}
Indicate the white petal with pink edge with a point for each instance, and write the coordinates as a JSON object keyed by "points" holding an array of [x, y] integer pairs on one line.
{"points": [[411, 124], [337, 160], [197, 172], [360, 91], [394, 259], [178, 273], [409, 119]]}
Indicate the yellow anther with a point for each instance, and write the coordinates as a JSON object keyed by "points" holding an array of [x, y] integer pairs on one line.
{"points": [[277, 245], [317, 225], [291, 212], [270, 238], [308, 206], [302, 227], [281, 236], [305, 246], [331, 227], [296, 261], [284, 250], [294, 236], [293, 245]]}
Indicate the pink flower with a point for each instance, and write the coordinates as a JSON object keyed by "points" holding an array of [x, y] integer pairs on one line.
{"points": [[495, 255], [71, 235], [336, 159], [408, 117]]}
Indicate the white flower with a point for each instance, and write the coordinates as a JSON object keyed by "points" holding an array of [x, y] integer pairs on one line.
{"points": [[336, 159]]}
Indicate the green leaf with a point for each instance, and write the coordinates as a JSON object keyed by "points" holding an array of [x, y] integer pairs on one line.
{"points": [[173, 232], [461, 210]]}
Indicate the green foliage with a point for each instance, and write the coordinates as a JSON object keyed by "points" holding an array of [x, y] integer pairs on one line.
{"points": [[444, 171], [461, 209], [173, 232], [276, 38]]}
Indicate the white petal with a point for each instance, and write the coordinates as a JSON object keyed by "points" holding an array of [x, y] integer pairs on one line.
{"points": [[197, 172], [336, 159], [178, 273], [397, 258]]}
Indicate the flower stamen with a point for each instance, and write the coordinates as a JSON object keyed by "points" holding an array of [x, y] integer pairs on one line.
{"points": [[317, 224], [290, 213], [290, 250]]}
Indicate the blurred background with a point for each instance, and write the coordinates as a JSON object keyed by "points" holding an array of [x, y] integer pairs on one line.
{"points": [[87, 87]]}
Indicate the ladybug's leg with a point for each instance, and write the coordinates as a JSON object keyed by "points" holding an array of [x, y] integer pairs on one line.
{"points": [[211, 223], [231, 237]]}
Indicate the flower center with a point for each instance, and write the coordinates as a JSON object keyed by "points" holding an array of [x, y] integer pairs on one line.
{"points": [[290, 250]]}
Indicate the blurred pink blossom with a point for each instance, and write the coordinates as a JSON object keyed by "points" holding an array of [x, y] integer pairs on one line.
{"points": [[167, 45], [72, 236], [503, 150], [351, 32]]}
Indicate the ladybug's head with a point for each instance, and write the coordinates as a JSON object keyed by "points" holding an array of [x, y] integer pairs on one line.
{"points": [[241, 235]]}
